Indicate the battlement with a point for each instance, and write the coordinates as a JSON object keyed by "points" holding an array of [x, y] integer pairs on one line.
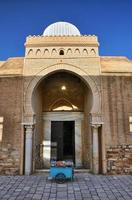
{"points": [[83, 40]]}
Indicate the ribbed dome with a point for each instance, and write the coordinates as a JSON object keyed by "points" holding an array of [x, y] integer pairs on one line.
{"points": [[61, 29]]}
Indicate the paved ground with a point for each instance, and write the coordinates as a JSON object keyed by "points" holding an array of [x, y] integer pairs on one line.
{"points": [[84, 187]]}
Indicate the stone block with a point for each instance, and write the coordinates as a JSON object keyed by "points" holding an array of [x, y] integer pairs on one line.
{"points": [[120, 162]]}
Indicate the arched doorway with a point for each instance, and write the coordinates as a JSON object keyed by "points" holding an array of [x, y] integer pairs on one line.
{"points": [[36, 114], [61, 103]]}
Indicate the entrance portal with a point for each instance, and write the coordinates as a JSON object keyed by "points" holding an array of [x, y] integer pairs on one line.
{"points": [[62, 93], [63, 140], [61, 103]]}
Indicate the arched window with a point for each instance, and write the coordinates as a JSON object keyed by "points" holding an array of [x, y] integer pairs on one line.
{"points": [[1, 127], [61, 52]]}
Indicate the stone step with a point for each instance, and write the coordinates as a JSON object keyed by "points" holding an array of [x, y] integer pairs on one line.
{"points": [[45, 171]]}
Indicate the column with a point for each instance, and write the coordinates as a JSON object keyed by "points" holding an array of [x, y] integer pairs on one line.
{"points": [[47, 143], [78, 144], [28, 149], [95, 148]]}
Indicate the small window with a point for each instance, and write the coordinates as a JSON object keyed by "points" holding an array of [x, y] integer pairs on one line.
{"points": [[61, 52], [130, 123], [1, 127]]}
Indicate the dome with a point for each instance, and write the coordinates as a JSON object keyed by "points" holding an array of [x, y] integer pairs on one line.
{"points": [[61, 29]]}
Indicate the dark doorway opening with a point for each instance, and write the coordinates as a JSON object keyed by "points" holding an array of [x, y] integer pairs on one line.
{"points": [[63, 140]]}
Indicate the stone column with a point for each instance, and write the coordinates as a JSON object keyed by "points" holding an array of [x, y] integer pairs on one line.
{"points": [[47, 143], [95, 148], [28, 149], [78, 144]]}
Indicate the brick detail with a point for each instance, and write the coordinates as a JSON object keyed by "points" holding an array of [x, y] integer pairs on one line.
{"points": [[119, 159], [9, 160], [11, 97]]}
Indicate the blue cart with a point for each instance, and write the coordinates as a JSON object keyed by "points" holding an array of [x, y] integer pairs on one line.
{"points": [[61, 174]]}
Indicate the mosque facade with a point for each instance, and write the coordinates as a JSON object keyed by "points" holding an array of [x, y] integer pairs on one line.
{"points": [[63, 101]]}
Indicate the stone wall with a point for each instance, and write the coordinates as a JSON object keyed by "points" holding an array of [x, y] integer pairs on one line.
{"points": [[9, 160], [11, 102], [119, 159], [116, 107]]}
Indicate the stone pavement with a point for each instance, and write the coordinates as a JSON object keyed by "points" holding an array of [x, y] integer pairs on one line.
{"points": [[84, 187]]}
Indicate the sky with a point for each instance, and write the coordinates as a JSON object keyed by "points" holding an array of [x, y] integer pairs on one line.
{"points": [[110, 20]]}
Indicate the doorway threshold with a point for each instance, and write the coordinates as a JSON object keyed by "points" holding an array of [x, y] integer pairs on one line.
{"points": [[46, 171]]}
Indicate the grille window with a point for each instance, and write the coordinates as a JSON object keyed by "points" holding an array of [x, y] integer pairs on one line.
{"points": [[61, 52]]}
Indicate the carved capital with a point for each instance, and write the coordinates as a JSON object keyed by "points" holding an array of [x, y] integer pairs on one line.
{"points": [[29, 129], [96, 126], [96, 119]]}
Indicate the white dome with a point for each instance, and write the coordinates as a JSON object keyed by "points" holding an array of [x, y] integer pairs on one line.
{"points": [[61, 29]]}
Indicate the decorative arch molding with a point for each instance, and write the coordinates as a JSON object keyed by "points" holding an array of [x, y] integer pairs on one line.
{"points": [[59, 101], [85, 52], [92, 52], [82, 74], [77, 51], [46, 52], [30, 52], [54, 52], [38, 52], [69, 51]]}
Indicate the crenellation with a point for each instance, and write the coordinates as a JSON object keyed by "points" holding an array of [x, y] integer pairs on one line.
{"points": [[74, 40]]}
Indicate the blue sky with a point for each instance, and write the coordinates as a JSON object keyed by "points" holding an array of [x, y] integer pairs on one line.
{"points": [[110, 20]]}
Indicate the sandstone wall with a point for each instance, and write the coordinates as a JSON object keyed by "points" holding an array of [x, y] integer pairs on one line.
{"points": [[11, 98], [117, 106], [119, 159]]}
